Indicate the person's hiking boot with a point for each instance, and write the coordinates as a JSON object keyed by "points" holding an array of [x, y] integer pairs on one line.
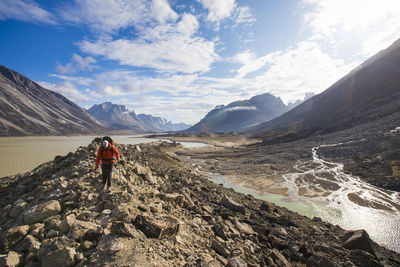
{"points": [[108, 189]]}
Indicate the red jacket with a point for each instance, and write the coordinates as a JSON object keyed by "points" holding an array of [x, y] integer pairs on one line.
{"points": [[106, 155]]}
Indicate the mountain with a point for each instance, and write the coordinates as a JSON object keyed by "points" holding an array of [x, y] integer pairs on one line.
{"points": [[368, 93], [26, 108], [241, 114], [158, 124], [118, 117]]}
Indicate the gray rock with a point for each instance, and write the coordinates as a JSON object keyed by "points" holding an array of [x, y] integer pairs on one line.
{"points": [[14, 235], [42, 211], [125, 229], [28, 244], [64, 257], [83, 230], [67, 223], [244, 228], [145, 173], [236, 262], [358, 240], [37, 230], [220, 248], [278, 258], [116, 246], [232, 205], [120, 212], [52, 233], [18, 209], [157, 227]]}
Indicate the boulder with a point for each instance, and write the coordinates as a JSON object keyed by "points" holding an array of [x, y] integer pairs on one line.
{"points": [[67, 223], [63, 257], [37, 230], [236, 262], [232, 205], [28, 244], [18, 208], [120, 212], [157, 227], [12, 259], [13, 235], [219, 230], [220, 248], [278, 258], [244, 228], [358, 240], [116, 246], [125, 229], [42, 211], [83, 230], [145, 173]]}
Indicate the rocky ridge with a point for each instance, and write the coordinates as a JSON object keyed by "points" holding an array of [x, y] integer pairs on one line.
{"points": [[27, 109], [118, 117], [160, 212]]}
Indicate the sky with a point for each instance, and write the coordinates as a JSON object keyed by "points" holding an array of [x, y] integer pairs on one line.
{"points": [[178, 59]]}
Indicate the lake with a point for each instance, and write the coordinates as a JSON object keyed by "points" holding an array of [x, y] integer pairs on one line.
{"points": [[22, 154]]}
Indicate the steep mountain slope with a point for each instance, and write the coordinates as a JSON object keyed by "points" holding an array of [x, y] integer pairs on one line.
{"points": [[368, 93], [118, 117], [26, 108], [240, 114]]}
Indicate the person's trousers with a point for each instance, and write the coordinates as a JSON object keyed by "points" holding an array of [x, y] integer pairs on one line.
{"points": [[107, 173]]}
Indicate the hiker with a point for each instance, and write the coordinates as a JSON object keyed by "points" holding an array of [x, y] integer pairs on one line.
{"points": [[106, 153]]}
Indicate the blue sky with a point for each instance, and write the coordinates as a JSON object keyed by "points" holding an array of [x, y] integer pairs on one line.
{"points": [[180, 58]]}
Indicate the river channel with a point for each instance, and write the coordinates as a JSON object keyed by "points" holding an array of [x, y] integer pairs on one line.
{"points": [[319, 188]]}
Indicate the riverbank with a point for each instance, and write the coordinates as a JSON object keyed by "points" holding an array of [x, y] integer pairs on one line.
{"points": [[310, 176], [161, 212]]}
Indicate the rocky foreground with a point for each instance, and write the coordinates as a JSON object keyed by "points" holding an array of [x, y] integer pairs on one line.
{"points": [[160, 213]]}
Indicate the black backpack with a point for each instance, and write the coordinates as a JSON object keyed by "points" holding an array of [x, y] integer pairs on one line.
{"points": [[109, 139]]}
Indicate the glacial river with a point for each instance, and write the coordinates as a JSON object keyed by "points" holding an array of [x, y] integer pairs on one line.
{"points": [[321, 188]]}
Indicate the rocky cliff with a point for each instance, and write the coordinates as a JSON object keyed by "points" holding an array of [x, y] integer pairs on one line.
{"points": [[26, 108], [118, 117], [240, 114], [160, 213]]}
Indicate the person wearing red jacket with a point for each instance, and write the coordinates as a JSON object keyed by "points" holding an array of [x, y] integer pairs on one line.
{"points": [[106, 153]]}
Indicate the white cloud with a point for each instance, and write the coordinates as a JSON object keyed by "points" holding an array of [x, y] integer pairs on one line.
{"points": [[25, 10], [163, 12], [243, 15], [170, 48], [218, 9], [250, 63], [67, 89], [75, 80], [77, 64], [299, 70], [372, 24], [107, 15]]}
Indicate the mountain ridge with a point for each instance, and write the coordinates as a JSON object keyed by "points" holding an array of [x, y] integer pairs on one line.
{"points": [[241, 114], [367, 93], [120, 118], [26, 108]]}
